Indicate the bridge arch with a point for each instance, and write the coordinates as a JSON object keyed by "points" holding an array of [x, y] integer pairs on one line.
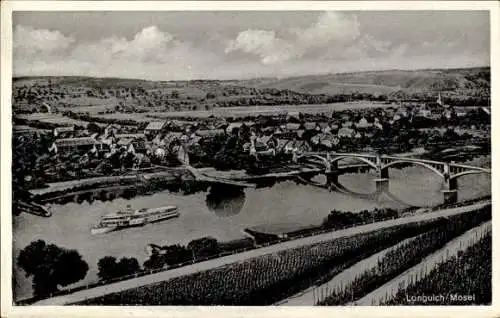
{"points": [[322, 159], [365, 160], [464, 173], [417, 163]]}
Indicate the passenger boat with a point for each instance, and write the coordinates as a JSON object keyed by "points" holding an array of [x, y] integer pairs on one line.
{"points": [[130, 218]]}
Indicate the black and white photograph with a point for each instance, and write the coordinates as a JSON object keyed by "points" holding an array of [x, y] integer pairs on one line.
{"points": [[250, 158]]}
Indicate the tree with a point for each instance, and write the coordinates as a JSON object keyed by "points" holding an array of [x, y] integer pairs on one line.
{"points": [[203, 247], [176, 254], [94, 128], [106, 267], [174, 94], [155, 261], [127, 266], [110, 268], [51, 266]]}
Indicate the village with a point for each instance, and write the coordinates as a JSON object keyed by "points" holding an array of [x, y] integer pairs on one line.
{"points": [[97, 149]]}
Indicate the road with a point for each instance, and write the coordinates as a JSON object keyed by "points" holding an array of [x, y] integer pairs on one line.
{"points": [[425, 267], [190, 269]]}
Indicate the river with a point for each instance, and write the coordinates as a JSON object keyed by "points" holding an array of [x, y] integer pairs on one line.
{"points": [[224, 218]]}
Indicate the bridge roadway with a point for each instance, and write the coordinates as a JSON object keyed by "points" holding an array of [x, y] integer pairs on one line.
{"points": [[82, 295]]}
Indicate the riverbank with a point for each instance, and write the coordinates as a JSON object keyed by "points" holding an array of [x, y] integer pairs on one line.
{"points": [[215, 213], [164, 275]]}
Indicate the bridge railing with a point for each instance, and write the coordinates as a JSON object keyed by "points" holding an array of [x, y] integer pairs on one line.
{"points": [[228, 253], [457, 165]]}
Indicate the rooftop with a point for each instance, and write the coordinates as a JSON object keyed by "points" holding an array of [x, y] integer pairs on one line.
{"points": [[156, 125], [75, 142]]}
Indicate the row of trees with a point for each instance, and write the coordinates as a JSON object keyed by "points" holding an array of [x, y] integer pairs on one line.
{"points": [[340, 219], [177, 254]]}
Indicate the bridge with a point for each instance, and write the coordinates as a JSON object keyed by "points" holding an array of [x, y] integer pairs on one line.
{"points": [[449, 172]]}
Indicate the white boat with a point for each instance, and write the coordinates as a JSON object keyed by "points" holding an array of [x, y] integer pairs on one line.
{"points": [[129, 218]]}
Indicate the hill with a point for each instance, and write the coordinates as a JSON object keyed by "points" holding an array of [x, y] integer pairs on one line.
{"points": [[464, 87], [382, 82]]}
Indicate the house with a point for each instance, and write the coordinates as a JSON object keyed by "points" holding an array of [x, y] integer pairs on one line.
{"points": [[232, 126], [172, 139], [347, 124], [72, 145], [124, 143], [325, 139], [396, 118], [333, 127], [309, 125], [45, 108], [138, 146], [424, 113], [326, 130], [292, 126], [363, 123], [158, 140], [346, 132], [294, 146], [155, 127], [100, 149], [64, 132], [130, 136], [292, 114], [461, 112], [111, 130], [448, 114], [182, 155], [262, 142], [287, 134], [209, 132]]}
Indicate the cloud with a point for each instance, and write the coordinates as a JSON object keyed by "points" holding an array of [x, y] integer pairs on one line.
{"points": [[28, 41], [332, 32], [325, 42], [150, 53], [331, 27], [263, 43]]}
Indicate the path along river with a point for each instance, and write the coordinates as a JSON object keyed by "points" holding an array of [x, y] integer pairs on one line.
{"points": [[223, 218]]}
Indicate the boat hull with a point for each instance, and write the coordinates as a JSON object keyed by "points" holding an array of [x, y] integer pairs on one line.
{"points": [[134, 223], [102, 230]]}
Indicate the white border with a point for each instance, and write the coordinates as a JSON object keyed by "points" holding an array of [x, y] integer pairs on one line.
{"points": [[7, 310]]}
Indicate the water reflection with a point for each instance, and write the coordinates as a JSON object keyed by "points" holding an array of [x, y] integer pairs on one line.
{"points": [[127, 192], [225, 201]]}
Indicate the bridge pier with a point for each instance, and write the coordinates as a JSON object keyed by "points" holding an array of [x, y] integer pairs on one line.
{"points": [[382, 185], [450, 191], [331, 179]]}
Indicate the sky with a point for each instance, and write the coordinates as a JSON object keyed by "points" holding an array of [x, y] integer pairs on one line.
{"points": [[244, 44]]}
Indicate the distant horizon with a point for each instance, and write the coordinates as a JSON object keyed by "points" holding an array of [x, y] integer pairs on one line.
{"points": [[234, 45], [256, 78]]}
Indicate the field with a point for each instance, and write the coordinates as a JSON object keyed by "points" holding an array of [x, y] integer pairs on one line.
{"points": [[468, 273], [243, 111], [138, 117], [198, 98], [55, 119], [269, 278], [404, 257]]}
